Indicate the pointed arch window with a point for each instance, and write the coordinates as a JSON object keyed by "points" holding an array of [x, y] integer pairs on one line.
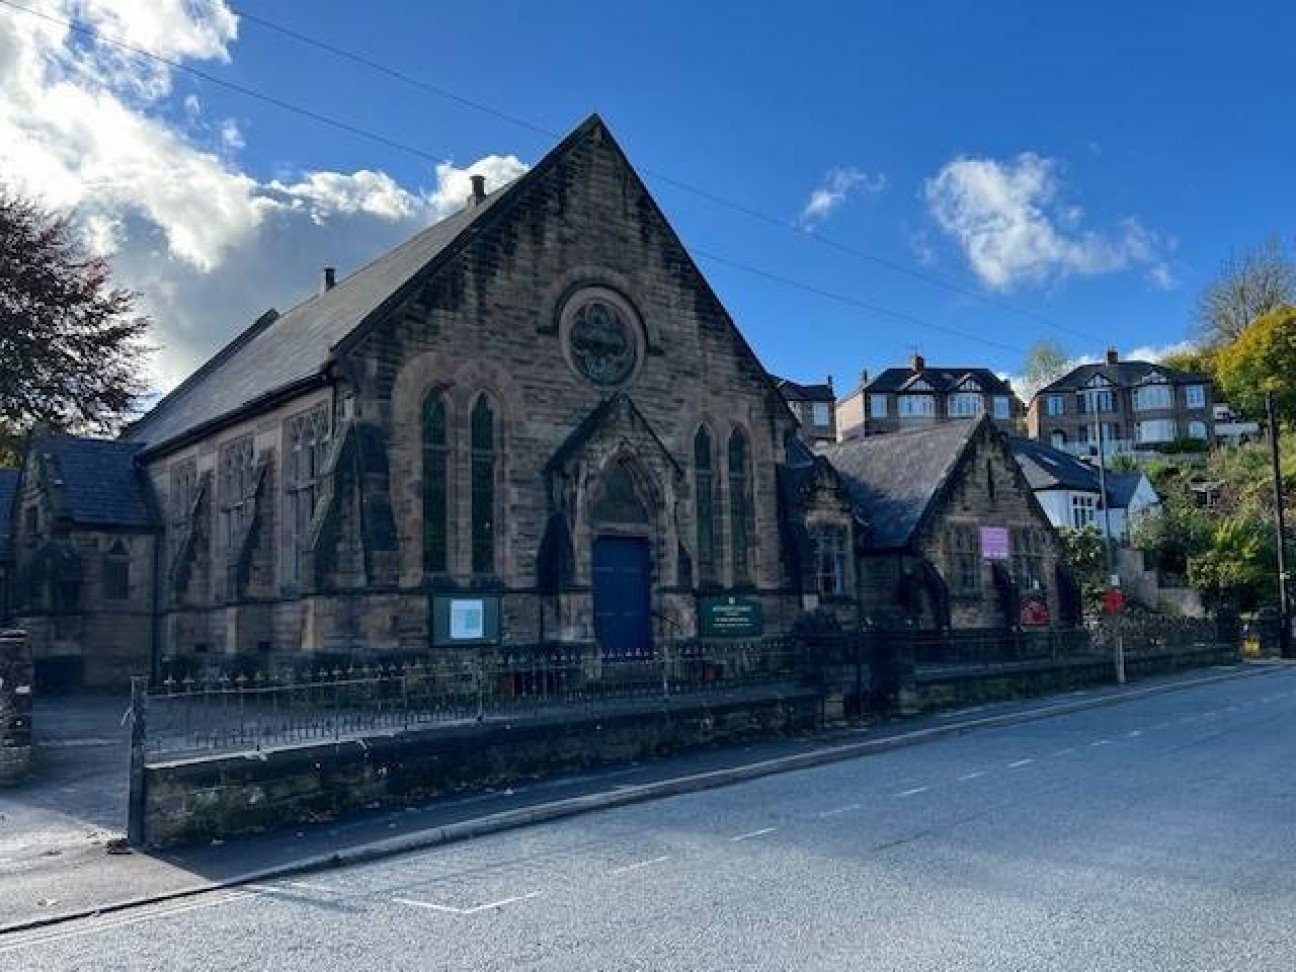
{"points": [[116, 573], [704, 504], [483, 438], [436, 452], [740, 506]]}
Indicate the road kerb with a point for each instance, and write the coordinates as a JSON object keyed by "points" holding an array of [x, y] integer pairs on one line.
{"points": [[574, 806]]}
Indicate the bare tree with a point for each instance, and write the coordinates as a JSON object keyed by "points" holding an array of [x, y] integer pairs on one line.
{"points": [[71, 345], [1249, 285]]}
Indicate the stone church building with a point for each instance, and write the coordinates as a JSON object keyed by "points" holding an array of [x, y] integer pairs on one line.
{"points": [[532, 423]]}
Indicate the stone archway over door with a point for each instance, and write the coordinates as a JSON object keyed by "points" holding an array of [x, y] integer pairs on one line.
{"points": [[622, 569]]}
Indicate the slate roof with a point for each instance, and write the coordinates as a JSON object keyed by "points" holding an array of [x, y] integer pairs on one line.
{"points": [[1123, 374], [1049, 468], [8, 490], [893, 478], [1121, 488], [942, 379], [797, 392], [96, 481], [280, 350]]}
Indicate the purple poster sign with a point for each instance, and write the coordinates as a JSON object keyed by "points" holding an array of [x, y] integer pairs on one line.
{"points": [[994, 543]]}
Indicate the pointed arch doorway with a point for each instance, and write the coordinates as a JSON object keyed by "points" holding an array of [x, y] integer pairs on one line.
{"points": [[621, 565]]}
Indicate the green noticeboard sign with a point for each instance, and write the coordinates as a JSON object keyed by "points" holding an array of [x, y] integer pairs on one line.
{"points": [[465, 619], [731, 617]]}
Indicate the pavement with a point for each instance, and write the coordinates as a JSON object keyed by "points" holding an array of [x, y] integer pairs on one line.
{"points": [[54, 830]]}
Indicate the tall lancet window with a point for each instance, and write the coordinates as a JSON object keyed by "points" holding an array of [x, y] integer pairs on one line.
{"points": [[740, 506], [704, 505], [436, 451], [483, 440]]}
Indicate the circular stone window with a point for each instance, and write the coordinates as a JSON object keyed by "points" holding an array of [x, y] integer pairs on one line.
{"points": [[601, 336]]}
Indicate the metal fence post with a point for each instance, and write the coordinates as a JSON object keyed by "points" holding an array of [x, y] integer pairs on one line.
{"points": [[137, 804]]}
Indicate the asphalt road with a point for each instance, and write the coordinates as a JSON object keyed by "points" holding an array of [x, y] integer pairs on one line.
{"points": [[1157, 834]]}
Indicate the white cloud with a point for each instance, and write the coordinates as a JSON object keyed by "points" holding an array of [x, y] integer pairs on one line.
{"points": [[837, 185], [1014, 229], [207, 245]]}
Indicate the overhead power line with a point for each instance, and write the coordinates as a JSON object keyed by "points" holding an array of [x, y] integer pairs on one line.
{"points": [[85, 30], [714, 198]]}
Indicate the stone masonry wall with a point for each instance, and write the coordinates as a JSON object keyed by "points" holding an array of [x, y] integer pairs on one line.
{"points": [[15, 706]]}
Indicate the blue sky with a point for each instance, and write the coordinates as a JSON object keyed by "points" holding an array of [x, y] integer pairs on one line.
{"points": [[1074, 172]]}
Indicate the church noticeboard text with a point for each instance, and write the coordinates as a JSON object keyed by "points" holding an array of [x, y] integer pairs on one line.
{"points": [[731, 617]]}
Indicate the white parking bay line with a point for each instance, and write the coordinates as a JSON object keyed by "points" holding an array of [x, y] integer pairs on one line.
{"points": [[1020, 762], [1062, 752], [1101, 742], [448, 909], [971, 776], [638, 864], [840, 810], [1133, 733], [913, 792], [754, 833]]}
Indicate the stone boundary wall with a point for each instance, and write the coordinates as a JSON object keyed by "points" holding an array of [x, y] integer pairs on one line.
{"points": [[15, 706], [932, 688], [197, 800]]}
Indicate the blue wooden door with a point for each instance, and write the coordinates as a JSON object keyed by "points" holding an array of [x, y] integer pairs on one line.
{"points": [[621, 597]]}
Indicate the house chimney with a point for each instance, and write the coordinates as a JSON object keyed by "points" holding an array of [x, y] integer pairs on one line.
{"points": [[478, 190], [1112, 356], [916, 362], [863, 377], [330, 279], [830, 387]]}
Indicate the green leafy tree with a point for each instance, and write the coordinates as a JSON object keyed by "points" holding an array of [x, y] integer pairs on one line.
{"points": [[1249, 285], [71, 345], [1045, 363], [1262, 359], [1087, 554], [1236, 569]]}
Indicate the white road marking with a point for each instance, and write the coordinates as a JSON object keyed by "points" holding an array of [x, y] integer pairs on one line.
{"points": [[1062, 752], [313, 887], [1101, 742], [916, 790], [971, 776], [1020, 762], [754, 833], [840, 810], [447, 909], [638, 864], [108, 923]]}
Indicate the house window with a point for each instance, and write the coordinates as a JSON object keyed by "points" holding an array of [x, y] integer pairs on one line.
{"points": [[1195, 395], [878, 406], [740, 506], [1154, 431], [1152, 396], [116, 573], [917, 406], [483, 486], [436, 456], [1082, 510], [822, 415], [1055, 405], [964, 404], [828, 549], [964, 545], [1094, 401], [308, 437], [1196, 430], [1002, 409], [704, 485], [1028, 558]]}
